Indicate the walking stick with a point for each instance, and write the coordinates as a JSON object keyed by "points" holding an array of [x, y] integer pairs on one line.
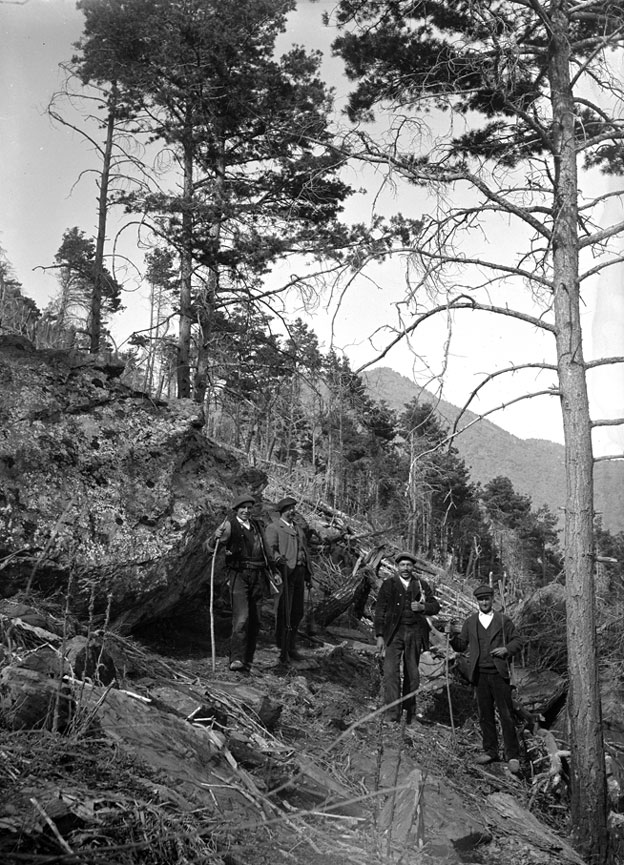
{"points": [[212, 634], [446, 669], [448, 685]]}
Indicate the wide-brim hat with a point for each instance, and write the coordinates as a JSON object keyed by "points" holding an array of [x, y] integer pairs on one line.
{"points": [[405, 555], [484, 591], [243, 499], [285, 503]]}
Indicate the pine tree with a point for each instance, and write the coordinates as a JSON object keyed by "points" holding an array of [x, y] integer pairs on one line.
{"points": [[249, 142], [534, 83]]}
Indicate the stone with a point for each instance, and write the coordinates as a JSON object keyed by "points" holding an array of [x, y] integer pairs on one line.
{"points": [[32, 694], [105, 493]]}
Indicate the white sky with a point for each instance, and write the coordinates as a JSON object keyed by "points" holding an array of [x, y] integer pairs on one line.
{"points": [[40, 198]]}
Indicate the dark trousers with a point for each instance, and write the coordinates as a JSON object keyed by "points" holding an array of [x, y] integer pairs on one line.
{"points": [[405, 646], [245, 595], [291, 613], [495, 692]]}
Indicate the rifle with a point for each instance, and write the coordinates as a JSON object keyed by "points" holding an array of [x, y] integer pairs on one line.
{"points": [[310, 623], [286, 609]]}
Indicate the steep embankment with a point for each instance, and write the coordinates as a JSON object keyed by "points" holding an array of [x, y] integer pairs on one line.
{"points": [[104, 492], [121, 752]]}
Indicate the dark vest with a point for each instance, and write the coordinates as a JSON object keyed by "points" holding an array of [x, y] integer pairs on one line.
{"points": [[245, 546], [408, 616], [486, 662]]}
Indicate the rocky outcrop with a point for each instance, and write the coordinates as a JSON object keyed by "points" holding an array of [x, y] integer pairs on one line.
{"points": [[104, 493]]}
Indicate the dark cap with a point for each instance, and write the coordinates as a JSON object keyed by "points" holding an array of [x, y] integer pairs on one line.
{"points": [[484, 591], [404, 555], [288, 502], [244, 499]]}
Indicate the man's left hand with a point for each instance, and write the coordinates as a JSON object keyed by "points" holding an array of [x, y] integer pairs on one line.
{"points": [[500, 652], [417, 607]]}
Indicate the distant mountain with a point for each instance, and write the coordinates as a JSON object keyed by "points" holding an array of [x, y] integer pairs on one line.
{"points": [[535, 467]]}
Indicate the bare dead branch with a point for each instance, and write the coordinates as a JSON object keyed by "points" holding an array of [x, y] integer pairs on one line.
{"points": [[488, 378], [603, 361], [472, 305], [449, 438], [616, 421], [598, 236], [600, 267]]}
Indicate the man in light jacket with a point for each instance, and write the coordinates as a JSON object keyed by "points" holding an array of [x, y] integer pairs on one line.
{"points": [[491, 640], [288, 549]]}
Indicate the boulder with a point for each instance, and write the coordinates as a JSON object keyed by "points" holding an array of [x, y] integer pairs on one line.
{"points": [[88, 659], [422, 809], [33, 695], [104, 493]]}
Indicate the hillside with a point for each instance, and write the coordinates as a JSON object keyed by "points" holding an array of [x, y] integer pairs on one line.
{"points": [[126, 739], [534, 466]]}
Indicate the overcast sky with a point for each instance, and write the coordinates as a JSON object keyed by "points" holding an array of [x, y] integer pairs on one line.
{"points": [[42, 196]]}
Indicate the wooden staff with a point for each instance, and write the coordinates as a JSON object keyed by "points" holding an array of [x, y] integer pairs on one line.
{"points": [[212, 630]]}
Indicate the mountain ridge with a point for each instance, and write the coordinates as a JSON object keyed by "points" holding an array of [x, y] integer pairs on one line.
{"points": [[535, 466]]}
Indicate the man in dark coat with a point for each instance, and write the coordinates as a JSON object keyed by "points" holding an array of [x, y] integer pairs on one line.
{"points": [[403, 604], [247, 563], [491, 640], [288, 550]]}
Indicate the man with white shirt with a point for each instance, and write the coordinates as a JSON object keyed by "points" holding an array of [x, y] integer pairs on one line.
{"points": [[402, 630], [491, 640], [248, 569]]}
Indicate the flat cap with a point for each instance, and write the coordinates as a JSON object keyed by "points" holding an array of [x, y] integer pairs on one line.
{"points": [[243, 499], [287, 502], [404, 555], [484, 591]]}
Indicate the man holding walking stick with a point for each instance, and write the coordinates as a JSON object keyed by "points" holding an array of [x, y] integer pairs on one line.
{"points": [[288, 550], [248, 569]]}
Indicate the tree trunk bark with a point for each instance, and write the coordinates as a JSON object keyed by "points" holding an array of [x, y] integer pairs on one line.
{"points": [[588, 780], [328, 610], [96, 296], [208, 297], [186, 269]]}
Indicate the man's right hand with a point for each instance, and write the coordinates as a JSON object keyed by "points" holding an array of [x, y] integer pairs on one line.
{"points": [[381, 646]]}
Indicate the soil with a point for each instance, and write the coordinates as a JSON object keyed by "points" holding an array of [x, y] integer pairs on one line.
{"points": [[328, 720]]}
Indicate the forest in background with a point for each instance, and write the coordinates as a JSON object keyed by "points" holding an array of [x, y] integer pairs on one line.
{"points": [[305, 416], [225, 155]]}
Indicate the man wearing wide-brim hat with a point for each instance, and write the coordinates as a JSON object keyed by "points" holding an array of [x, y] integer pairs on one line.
{"points": [[248, 567], [492, 641], [403, 604], [289, 551]]}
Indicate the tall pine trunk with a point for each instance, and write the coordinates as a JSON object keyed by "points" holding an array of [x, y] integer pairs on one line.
{"points": [[95, 327], [186, 265], [588, 783], [208, 296]]}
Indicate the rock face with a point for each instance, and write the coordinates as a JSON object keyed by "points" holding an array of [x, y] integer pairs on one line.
{"points": [[103, 493]]}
